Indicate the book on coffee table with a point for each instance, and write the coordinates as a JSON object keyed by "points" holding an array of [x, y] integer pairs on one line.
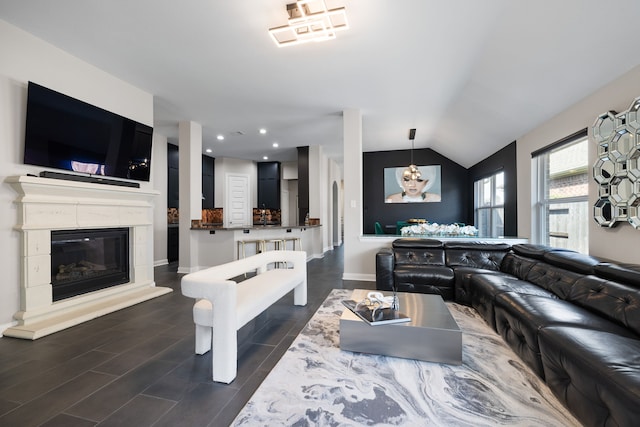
{"points": [[376, 316]]}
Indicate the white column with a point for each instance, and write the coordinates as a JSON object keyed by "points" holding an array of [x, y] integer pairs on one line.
{"points": [[160, 181], [190, 177], [352, 137]]}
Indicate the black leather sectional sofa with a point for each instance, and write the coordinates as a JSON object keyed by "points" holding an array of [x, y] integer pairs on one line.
{"points": [[574, 319]]}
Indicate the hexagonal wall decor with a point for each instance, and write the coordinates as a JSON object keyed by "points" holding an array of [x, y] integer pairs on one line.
{"points": [[633, 164], [622, 142], [634, 216], [603, 170], [617, 169], [603, 213], [633, 116], [604, 126]]}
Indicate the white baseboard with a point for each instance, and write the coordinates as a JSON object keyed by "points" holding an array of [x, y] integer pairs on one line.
{"points": [[359, 276], [7, 326], [160, 262]]}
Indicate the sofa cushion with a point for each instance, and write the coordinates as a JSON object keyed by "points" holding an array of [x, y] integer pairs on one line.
{"points": [[384, 269], [551, 278], [595, 374], [614, 301], [475, 254], [432, 279], [416, 242], [484, 288], [517, 265], [419, 256], [573, 261], [519, 317], [418, 251], [462, 282], [531, 251], [624, 273]]}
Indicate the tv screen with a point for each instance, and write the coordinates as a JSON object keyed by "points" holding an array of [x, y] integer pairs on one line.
{"points": [[65, 133]]}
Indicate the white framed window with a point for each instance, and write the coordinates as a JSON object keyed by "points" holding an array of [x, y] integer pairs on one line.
{"points": [[489, 205], [561, 205]]}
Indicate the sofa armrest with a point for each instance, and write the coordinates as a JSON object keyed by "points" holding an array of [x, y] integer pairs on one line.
{"points": [[384, 269]]}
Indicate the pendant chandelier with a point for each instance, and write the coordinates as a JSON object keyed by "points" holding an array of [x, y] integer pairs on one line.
{"points": [[412, 172]]}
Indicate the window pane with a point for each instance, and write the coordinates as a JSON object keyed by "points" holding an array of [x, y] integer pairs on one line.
{"points": [[486, 192], [483, 222], [499, 196], [568, 226], [489, 205], [568, 175], [563, 214], [498, 222]]}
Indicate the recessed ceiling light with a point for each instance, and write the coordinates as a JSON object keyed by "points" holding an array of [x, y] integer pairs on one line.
{"points": [[263, 131], [265, 158], [275, 145], [208, 150], [220, 137]]}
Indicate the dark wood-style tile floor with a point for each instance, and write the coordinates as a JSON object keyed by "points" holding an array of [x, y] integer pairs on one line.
{"points": [[137, 367]]}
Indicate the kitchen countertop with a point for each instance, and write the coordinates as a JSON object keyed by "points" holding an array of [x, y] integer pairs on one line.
{"points": [[208, 227]]}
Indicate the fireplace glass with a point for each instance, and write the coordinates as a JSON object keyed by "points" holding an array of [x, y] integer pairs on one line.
{"points": [[84, 261]]}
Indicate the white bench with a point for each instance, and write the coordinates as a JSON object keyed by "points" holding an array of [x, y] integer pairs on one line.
{"points": [[225, 306]]}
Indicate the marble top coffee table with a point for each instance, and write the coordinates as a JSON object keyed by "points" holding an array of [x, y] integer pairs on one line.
{"points": [[432, 335]]}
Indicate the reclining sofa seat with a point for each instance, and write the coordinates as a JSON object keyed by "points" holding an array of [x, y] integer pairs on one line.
{"points": [[431, 266], [574, 319]]}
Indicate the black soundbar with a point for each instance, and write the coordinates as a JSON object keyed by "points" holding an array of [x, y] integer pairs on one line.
{"points": [[88, 178]]}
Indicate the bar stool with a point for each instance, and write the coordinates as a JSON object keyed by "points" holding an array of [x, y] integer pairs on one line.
{"points": [[278, 245], [242, 246], [296, 243]]}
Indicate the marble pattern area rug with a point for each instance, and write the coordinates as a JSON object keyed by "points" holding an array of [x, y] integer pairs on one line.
{"points": [[317, 384]]}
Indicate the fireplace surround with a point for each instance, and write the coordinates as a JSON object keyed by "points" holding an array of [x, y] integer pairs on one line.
{"points": [[47, 206]]}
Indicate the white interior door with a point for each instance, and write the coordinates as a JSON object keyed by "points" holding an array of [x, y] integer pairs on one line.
{"points": [[237, 211]]}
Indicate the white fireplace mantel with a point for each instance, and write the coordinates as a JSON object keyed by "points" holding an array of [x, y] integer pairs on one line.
{"points": [[46, 204]]}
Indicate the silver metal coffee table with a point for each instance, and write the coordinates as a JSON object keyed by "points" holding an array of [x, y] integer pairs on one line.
{"points": [[432, 334]]}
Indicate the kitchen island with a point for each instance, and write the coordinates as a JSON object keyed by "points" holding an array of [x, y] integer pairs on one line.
{"points": [[216, 244]]}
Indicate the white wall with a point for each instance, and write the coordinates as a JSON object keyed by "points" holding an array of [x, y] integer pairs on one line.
{"points": [[160, 183], [620, 243], [25, 58], [322, 173], [225, 165]]}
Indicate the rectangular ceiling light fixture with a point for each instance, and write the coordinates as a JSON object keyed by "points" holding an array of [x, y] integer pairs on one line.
{"points": [[309, 21]]}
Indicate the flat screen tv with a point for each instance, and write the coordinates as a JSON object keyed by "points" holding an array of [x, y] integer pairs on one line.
{"points": [[65, 133]]}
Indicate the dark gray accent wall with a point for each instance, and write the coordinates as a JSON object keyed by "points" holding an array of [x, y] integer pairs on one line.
{"points": [[454, 206], [502, 160], [303, 183]]}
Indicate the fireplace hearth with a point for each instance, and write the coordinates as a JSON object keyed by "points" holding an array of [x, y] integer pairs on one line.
{"points": [[84, 261], [69, 277]]}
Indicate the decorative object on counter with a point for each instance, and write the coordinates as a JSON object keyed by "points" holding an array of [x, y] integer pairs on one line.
{"points": [[212, 216], [266, 216], [441, 230], [314, 221], [617, 169], [173, 216]]}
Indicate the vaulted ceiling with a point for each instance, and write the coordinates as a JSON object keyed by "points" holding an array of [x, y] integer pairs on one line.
{"points": [[470, 75]]}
